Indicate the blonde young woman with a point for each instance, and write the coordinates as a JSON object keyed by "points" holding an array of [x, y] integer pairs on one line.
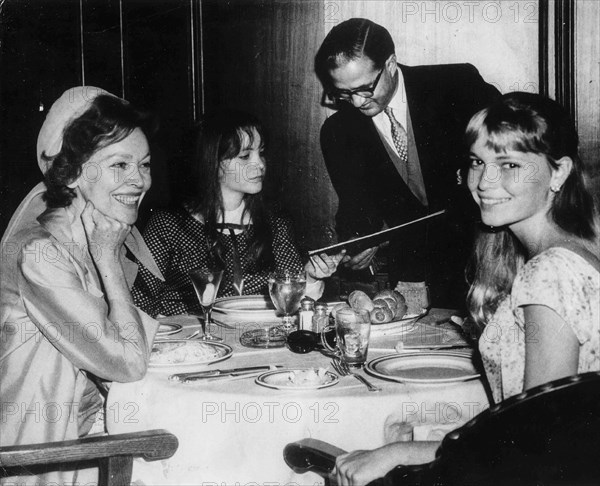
{"points": [[536, 286]]}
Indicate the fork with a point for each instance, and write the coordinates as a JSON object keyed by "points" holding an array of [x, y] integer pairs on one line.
{"points": [[343, 369]]}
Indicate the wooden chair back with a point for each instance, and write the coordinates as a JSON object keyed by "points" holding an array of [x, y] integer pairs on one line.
{"points": [[113, 454]]}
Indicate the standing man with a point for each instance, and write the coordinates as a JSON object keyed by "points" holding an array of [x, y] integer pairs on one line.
{"points": [[393, 151]]}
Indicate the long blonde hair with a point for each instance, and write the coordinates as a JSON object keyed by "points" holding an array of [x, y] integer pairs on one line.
{"points": [[531, 123]]}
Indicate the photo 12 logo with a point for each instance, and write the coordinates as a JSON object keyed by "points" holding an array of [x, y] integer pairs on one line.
{"points": [[446, 12], [268, 412]]}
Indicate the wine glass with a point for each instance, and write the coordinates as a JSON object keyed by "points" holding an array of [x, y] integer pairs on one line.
{"points": [[206, 282], [286, 288]]}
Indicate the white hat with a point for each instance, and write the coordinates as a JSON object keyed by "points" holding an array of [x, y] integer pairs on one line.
{"points": [[72, 103]]}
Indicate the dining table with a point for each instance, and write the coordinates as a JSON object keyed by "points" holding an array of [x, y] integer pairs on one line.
{"points": [[233, 429]]}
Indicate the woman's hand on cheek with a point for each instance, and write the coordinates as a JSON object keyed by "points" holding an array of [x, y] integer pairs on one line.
{"points": [[105, 235], [323, 265]]}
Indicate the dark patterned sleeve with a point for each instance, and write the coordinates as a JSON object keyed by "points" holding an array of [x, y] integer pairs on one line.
{"points": [[284, 245], [147, 289]]}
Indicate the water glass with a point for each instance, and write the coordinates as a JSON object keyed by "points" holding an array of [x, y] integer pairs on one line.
{"points": [[353, 328]]}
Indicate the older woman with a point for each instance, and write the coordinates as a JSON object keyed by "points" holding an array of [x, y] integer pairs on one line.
{"points": [[68, 322]]}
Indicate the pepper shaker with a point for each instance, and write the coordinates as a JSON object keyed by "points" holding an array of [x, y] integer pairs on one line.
{"points": [[320, 319]]}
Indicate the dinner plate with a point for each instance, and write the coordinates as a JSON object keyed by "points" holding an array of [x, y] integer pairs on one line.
{"points": [[394, 327], [437, 367], [251, 307], [167, 354], [167, 328], [282, 380], [247, 307]]}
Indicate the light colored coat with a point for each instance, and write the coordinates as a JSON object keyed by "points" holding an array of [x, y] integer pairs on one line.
{"points": [[60, 338]]}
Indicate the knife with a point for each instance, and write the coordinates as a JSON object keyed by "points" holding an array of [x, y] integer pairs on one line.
{"points": [[217, 373]]}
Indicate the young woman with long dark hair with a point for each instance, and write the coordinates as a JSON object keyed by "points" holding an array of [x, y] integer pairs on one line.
{"points": [[226, 223]]}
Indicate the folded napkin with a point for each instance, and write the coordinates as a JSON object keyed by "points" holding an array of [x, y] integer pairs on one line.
{"points": [[424, 335]]}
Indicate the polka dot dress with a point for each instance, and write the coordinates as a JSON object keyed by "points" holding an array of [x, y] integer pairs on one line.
{"points": [[179, 243]]}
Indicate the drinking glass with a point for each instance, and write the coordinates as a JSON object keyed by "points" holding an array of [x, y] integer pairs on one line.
{"points": [[352, 329], [206, 282], [286, 289]]}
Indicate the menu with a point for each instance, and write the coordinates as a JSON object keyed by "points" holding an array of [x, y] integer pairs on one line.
{"points": [[361, 243]]}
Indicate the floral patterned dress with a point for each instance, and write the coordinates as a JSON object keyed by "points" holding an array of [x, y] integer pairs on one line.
{"points": [[557, 278]]}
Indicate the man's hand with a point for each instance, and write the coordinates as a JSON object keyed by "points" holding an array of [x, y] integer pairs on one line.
{"points": [[323, 265], [359, 468], [360, 261]]}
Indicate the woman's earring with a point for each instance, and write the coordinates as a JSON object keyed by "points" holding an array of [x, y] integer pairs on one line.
{"points": [[459, 178], [555, 188]]}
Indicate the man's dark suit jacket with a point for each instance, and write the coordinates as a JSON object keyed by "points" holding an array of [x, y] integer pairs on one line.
{"points": [[441, 100]]}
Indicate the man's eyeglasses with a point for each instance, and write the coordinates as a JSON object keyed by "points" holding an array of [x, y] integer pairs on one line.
{"points": [[363, 92]]}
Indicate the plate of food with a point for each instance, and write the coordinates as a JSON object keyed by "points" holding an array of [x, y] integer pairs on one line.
{"points": [[167, 329], [187, 352], [298, 379], [434, 368]]}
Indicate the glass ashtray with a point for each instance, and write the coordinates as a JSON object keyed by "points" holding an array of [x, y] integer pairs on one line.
{"points": [[268, 337]]}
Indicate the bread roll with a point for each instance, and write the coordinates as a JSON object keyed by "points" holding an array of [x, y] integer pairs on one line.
{"points": [[381, 314], [359, 300], [338, 307], [395, 300]]}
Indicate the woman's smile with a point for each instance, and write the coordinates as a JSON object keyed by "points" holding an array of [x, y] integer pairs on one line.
{"points": [[128, 200], [487, 201]]}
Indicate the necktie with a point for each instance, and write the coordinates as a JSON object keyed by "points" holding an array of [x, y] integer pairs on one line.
{"points": [[398, 135]]}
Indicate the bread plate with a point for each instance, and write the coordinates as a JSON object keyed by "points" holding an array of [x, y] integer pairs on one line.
{"points": [[397, 326]]}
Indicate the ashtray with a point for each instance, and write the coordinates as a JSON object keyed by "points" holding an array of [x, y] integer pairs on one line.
{"points": [[268, 337]]}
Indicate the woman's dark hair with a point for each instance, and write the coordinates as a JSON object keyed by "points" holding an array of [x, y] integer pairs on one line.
{"points": [[220, 136], [350, 40], [107, 121]]}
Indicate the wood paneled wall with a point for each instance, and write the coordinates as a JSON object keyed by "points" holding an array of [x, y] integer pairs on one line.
{"points": [[138, 49], [39, 59], [587, 79]]}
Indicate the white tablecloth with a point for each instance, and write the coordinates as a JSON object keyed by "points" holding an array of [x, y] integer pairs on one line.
{"points": [[234, 431]]}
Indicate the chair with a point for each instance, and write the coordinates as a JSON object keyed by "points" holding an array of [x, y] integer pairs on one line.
{"points": [[113, 454], [547, 435]]}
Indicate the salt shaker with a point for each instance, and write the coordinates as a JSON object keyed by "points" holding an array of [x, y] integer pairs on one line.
{"points": [[320, 319], [305, 316]]}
